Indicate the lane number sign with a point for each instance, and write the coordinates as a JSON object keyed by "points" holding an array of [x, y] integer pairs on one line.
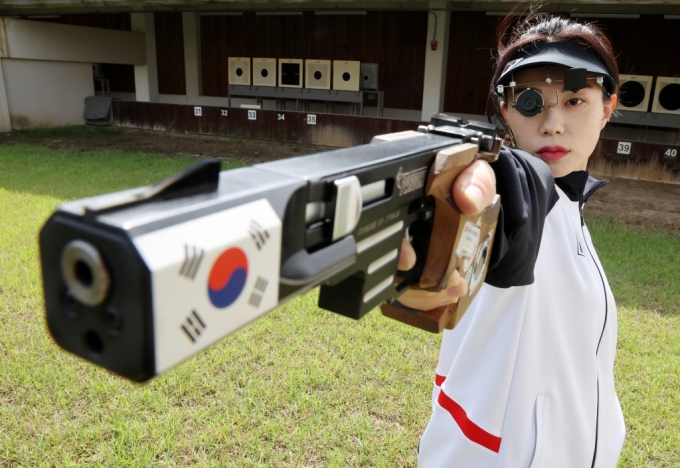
{"points": [[671, 152], [311, 119], [624, 147], [224, 113], [198, 111], [252, 115], [280, 116]]}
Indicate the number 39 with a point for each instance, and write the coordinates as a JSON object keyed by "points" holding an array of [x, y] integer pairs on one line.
{"points": [[623, 148]]}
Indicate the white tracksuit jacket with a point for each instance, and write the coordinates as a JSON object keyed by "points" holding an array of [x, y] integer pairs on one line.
{"points": [[526, 379]]}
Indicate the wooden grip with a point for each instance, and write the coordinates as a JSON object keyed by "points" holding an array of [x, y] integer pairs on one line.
{"points": [[458, 241]]}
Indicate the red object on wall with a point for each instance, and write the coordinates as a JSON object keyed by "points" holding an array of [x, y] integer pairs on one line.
{"points": [[433, 44]]}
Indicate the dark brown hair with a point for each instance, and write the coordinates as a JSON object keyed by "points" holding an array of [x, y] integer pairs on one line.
{"points": [[514, 35]]}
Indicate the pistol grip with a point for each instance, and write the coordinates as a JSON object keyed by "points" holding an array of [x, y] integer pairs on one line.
{"points": [[445, 248], [441, 261], [434, 321]]}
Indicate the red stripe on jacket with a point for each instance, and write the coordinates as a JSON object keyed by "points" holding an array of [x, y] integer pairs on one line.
{"points": [[471, 430], [439, 379]]}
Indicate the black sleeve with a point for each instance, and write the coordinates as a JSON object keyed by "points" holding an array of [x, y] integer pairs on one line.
{"points": [[527, 191]]}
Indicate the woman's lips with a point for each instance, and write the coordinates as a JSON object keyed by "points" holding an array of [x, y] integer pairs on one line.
{"points": [[552, 153]]}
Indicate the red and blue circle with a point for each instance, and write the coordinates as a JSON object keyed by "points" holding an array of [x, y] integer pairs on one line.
{"points": [[227, 277]]}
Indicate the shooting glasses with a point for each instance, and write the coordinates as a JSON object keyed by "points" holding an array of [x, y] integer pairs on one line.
{"points": [[578, 59], [530, 101]]}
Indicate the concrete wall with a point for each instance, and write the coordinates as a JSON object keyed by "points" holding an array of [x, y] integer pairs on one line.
{"points": [[146, 76], [44, 93], [435, 60], [47, 69], [37, 40]]}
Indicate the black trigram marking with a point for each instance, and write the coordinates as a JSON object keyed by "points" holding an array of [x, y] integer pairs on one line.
{"points": [[258, 234], [261, 284], [255, 300], [192, 260], [258, 293], [193, 326]]}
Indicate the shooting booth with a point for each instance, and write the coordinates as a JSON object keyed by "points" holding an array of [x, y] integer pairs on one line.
{"points": [[351, 83]]}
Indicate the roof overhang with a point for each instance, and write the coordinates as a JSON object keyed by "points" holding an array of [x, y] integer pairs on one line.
{"points": [[57, 7]]}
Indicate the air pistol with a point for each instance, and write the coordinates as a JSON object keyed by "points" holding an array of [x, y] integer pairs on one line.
{"points": [[140, 280]]}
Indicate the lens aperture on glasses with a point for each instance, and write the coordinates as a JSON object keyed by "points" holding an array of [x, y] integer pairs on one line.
{"points": [[529, 102]]}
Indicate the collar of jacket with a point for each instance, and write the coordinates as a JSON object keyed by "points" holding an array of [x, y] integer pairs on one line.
{"points": [[579, 186]]}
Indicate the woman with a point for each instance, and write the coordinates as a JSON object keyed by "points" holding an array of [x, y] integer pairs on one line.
{"points": [[526, 378]]}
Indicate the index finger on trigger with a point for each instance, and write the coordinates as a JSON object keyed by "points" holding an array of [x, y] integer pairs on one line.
{"points": [[407, 256], [474, 188]]}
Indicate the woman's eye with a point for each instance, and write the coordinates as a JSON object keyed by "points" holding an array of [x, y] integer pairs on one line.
{"points": [[575, 101]]}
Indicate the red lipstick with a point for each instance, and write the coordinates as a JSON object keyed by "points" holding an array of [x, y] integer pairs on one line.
{"points": [[552, 153]]}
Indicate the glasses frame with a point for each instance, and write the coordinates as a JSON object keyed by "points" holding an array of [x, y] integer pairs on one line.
{"points": [[500, 89]]}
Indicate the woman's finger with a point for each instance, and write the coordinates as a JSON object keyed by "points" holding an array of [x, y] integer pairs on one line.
{"points": [[425, 300], [407, 256], [474, 188]]}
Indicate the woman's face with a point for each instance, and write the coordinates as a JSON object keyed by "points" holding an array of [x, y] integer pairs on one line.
{"points": [[564, 135]]}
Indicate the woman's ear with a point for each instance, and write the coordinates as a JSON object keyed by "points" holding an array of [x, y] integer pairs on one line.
{"points": [[509, 138], [609, 109], [504, 110]]}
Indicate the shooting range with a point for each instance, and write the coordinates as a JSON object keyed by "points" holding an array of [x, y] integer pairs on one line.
{"points": [[359, 72], [100, 96]]}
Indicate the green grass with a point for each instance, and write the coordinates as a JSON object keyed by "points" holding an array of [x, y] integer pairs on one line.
{"points": [[646, 372], [643, 270], [300, 387], [66, 176], [644, 274]]}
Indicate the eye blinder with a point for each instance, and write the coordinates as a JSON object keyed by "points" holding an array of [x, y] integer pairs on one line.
{"points": [[575, 79]]}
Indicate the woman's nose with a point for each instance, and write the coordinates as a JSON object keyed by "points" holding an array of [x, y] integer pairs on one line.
{"points": [[553, 122]]}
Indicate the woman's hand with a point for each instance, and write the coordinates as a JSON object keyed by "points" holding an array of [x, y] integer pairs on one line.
{"points": [[472, 191]]}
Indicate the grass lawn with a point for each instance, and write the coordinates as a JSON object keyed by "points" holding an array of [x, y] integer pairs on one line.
{"points": [[300, 387]]}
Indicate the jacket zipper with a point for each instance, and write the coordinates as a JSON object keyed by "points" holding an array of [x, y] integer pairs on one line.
{"points": [[604, 325]]}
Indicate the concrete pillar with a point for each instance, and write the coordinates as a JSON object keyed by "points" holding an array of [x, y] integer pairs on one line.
{"points": [[5, 125], [191, 28], [146, 76], [435, 60]]}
